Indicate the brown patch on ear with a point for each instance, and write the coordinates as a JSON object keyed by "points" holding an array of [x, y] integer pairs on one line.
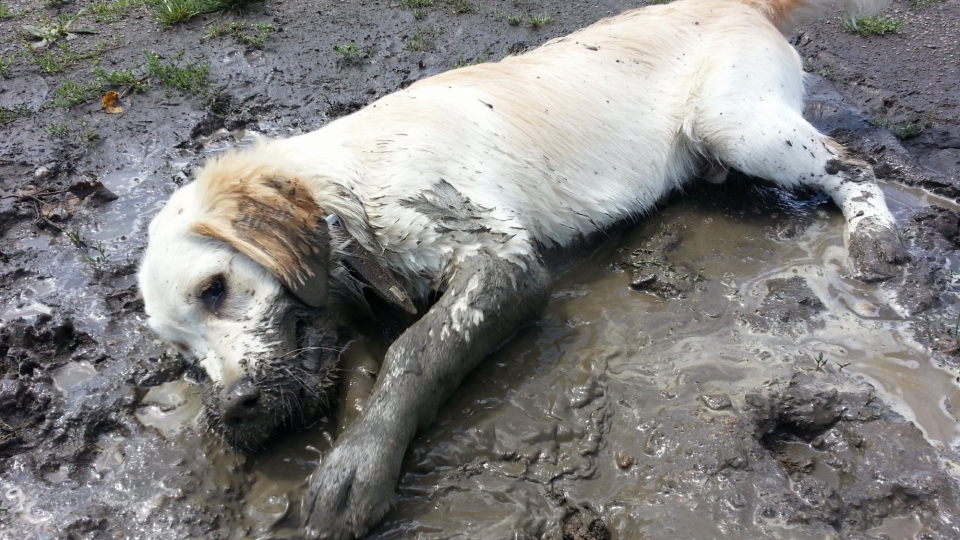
{"points": [[276, 222]]}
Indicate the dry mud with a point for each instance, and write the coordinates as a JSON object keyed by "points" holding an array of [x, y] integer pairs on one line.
{"points": [[709, 372]]}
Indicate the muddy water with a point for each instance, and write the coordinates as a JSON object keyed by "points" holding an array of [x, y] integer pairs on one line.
{"points": [[578, 411], [587, 411], [581, 403]]}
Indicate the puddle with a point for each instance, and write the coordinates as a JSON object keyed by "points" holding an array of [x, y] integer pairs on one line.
{"points": [[171, 407], [71, 375]]}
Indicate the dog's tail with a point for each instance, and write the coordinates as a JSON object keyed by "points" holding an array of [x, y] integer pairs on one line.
{"points": [[788, 14]]}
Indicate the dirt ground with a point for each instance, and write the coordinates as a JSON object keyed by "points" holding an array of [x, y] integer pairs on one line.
{"points": [[709, 372]]}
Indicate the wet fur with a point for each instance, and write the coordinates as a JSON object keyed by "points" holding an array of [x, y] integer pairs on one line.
{"points": [[454, 186]]}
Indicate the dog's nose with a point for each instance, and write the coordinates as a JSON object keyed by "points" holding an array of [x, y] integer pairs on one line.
{"points": [[240, 404]]}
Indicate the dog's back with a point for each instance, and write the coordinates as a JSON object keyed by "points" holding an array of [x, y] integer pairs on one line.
{"points": [[558, 143]]}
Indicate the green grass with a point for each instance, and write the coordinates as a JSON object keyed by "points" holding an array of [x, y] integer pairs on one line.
{"points": [[110, 11], [70, 93], [351, 53], [60, 131], [920, 4], [421, 40], [904, 129], [9, 114], [47, 62], [89, 136], [5, 12], [463, 6], [421, 8], [463, 62], [115, 77], [171, 12], [5, 64], [536, 21], [255, 35], [873, 26], [189, 77]]}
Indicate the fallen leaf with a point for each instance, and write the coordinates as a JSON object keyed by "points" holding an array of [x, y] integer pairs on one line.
{"points": [[111, 102]]}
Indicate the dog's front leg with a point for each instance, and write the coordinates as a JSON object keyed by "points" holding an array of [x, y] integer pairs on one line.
{"points": [[488, 298]]}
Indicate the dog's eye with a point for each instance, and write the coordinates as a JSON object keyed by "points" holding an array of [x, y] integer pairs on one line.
{"points": [[212, 294]]}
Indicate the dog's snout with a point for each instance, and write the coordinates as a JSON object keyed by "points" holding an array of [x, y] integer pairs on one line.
{"points": [[240, 404]]}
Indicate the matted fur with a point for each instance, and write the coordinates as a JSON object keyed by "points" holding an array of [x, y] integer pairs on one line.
{"points": [[270, 218], [455, 185]]}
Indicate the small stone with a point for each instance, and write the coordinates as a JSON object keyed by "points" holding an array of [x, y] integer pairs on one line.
{"points": [[42, 173], [716, 401], [624, 460]]}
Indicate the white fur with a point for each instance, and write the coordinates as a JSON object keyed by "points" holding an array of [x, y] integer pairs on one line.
{"points": [[587, 131]]}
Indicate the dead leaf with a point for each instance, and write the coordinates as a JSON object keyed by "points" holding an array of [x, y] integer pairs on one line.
{"points": [[111, 102]]}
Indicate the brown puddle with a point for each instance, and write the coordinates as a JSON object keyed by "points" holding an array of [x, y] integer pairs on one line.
{"points": [[583, 400]]}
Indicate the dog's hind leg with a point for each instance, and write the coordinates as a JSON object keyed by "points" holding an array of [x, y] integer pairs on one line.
{"points": [[488, 298], [778, 144]]}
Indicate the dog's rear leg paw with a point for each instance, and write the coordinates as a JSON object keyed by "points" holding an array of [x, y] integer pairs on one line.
{"points": [[350, 491], [876, 252]]}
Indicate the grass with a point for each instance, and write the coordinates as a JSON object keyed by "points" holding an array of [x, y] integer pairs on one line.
{"points": [[5, 64], [829, 72], [54, 30], [188, 77], [421, 8], [873, 26], [351, 53], [5, 12], [904, 129], [116, 77], [171, 12], [463, 62], [70, 93], [90, 137], [536, 21], [47, 62], [255, 35], [60, 131], [9, 114], [920, 4], [463, 6], [421, 40], [107, 11], [61, 57]]}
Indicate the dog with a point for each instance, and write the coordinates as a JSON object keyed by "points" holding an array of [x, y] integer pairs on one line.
{"points": [[433, 206]]}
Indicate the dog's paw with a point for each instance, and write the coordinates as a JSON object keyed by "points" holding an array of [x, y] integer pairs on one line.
{"points": [[350, 491], [876, 252]]}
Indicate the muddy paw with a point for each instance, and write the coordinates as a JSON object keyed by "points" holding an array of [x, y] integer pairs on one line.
{"points": [[350, 491], [876, 252]]}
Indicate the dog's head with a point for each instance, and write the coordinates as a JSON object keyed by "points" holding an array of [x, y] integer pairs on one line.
{"points": [[236, 277]]}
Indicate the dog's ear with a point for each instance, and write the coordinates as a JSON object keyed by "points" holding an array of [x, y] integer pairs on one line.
{"points": [[276, 222]]}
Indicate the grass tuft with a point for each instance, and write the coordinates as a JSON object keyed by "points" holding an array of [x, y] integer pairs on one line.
{"points": [[904, 129], [421, 40], [536, 21], [255, 35], [111, 11], [188, 77], [70, 93], [872, 26], [171, 12], [351, 53]]}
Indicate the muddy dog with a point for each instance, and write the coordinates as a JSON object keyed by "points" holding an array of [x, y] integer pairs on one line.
{"points": [[447, 193]]}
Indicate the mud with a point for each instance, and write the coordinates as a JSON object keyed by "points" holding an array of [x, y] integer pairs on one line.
{"points": [[711, 371]]}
